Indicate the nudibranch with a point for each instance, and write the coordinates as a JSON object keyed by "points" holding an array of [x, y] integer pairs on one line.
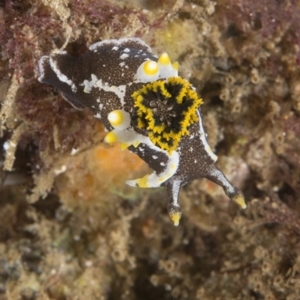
{"points": [[146, 106]]}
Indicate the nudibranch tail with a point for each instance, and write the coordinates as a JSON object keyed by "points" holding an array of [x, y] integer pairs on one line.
{"points": [[146, 107]]}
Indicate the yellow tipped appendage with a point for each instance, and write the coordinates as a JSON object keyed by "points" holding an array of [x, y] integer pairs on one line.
{"points": [[148, 71], [166, 69], [174, 213], [143, 182], [176, 218], [111, 138], [115, 118], [119, 119], [150, 67], [240, 200], [175, 66], [164, 59]]}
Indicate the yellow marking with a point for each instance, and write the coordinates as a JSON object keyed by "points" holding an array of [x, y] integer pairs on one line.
{"points": [[143, 182], [150, 67], [141, 124], [111, 138], [164, 59], [116, 118], [159, 129], [135, 144], [163, 179], [124, 146], [175, 65], [240, 200], [175, 217]]}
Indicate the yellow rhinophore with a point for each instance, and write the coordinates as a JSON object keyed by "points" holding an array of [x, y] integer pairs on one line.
{"points": [[148, 71], [119, 119], [164, 59], [150, 67], [166, 68], [115, 118]]}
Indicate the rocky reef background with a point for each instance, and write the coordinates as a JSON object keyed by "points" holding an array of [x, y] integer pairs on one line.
{"points": [[69, 226]]}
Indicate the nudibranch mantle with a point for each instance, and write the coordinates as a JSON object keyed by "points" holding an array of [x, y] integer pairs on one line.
{"points": [[146, 107]]}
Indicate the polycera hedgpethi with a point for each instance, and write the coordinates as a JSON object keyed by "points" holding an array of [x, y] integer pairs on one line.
{"points": [[145, 106]]}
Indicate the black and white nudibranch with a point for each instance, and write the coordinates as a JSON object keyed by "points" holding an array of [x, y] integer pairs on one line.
{"points": [[146, 107]]}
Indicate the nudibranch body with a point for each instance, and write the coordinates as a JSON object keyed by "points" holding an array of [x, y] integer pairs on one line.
{"points": [[146, 107]]}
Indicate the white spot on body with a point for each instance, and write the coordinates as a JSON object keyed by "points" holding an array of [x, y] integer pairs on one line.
{"points": [[88, 85], [119, 119], [124, 56]]}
